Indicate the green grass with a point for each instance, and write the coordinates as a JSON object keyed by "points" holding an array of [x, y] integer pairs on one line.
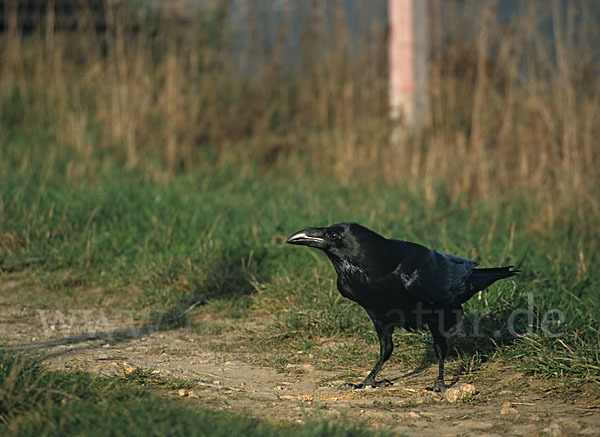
{"points": [[169, 245], [212, 240], [38, 402]]}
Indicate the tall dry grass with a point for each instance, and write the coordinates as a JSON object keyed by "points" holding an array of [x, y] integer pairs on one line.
{"points": [[512, 108], [515, 107]]}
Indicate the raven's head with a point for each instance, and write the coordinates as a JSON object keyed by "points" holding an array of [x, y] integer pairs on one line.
{"points": [[349, 242]]}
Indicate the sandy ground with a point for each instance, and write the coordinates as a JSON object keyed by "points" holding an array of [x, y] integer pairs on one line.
{"points": [[505, 402]]}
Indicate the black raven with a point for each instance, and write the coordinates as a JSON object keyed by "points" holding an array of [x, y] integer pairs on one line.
{"points": [[400, 284]]}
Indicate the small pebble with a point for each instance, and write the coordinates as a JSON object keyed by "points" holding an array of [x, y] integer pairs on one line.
{"points": [[454, 394]]}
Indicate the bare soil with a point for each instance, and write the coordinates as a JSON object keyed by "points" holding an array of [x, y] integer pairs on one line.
{"points": [[505, 403]]}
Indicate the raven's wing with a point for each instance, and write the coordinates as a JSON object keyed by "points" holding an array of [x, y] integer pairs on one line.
{"points": [[430, 275]]}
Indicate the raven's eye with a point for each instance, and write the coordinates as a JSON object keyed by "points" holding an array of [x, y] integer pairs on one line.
{"points": [[335, 236]]}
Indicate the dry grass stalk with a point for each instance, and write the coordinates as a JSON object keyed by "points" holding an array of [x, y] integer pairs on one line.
{"points": [[509, 112]]}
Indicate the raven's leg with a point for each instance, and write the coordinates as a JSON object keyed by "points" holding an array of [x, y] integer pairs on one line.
{"points": [[441, 348], [386, 346]]}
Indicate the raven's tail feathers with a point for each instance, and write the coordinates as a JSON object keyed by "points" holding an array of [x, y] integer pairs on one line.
{"points": [[481, 279]]}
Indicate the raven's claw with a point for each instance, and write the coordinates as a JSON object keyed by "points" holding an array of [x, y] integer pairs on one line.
{"points": [[438, 387]]}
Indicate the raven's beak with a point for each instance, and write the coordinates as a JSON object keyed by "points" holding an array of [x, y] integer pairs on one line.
{"points": [[312, 237]]}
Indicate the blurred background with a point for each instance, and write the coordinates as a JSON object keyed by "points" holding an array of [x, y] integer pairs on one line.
{"points": [[476, 98]]}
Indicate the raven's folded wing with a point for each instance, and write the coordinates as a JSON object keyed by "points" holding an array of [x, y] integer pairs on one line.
{"points": [[431, 276]]}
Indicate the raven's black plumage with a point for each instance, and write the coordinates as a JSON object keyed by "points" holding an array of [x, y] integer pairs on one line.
{"points": [[400, 284]]}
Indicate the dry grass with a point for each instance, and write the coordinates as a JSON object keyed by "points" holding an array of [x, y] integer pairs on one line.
{"points": [[512, 109]]}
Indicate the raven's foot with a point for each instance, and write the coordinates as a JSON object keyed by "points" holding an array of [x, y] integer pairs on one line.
{"points": [[369, 382], [438, 386]]}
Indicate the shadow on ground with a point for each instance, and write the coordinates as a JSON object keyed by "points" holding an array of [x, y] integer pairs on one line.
{"points": [[228, 279]]}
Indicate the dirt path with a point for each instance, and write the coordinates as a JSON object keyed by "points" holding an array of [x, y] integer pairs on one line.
{"points": [[506, 402]]}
